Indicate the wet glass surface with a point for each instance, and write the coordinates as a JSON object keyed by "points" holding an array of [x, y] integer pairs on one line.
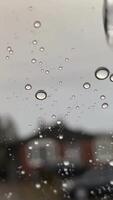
{"points": [[56, 99]]}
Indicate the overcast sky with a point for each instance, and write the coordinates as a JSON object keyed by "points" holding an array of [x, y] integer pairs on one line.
{"points": [[69, 29]]}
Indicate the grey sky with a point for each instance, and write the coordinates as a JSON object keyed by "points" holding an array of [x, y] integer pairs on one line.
{"points": [[70, 29]]}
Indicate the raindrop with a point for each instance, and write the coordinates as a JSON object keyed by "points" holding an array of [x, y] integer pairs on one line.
{"points": [[102, 97], [47, 71], [53, 116], [22, 172], [41, 95], [42, 70], [33, 60], [102, 73], [66, 59], [45, 182], [30, 147], [37, 24], [111, 163], [61, 137], [60, 82], [104, 105], [77, 107], [9, 48], [36, 142], [111, 78], [11, 52], [73, 97], [86, 85], [42, 49], [34, 42], [40, 62], [48, 145], [66, 163], [7, 57], [111, 182], [28, 87], [60, 67], [55, 191], [37, 185], [59, 122]]}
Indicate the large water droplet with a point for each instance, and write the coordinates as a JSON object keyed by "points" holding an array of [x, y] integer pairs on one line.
{"points": [[37, 24], [111, 78], [102, 73], [28, 87], [41, 95], [105, 105], [87, 85]]}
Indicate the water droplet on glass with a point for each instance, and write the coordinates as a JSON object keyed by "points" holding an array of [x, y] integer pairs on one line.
{"points": [[111, 163], [73, 97], [111, 182], [104, 105], [60, 67], [33, 60], [11, 52], [53, 116], [111, 78], [37, 185], [41, 95], [66, 59], [102, 97], [42, 70], [66, 163], [37, 24], [9, 48], [30, 147], [77, 107], [55, 191], [36, 142], [22, 172], [28, 87], [47, 71], [45, 182], [34, 42], [40, 62], [102, 73], [61, 137], [86, 85], [60, 82], [7, 57], [42, 49], [59, 122]]}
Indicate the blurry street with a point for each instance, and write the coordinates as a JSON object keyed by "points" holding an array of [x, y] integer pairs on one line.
{"points": [[28, 191]]}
